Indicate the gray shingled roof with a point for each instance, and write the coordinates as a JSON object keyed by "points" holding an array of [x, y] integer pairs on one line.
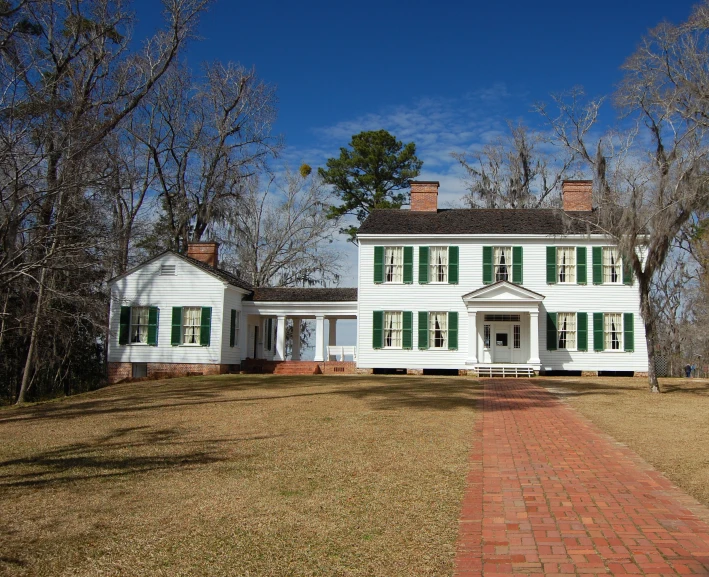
{"points": [[296, 294], [478, 221], [218, 272]]}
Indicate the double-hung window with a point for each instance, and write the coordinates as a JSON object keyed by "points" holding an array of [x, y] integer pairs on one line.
{"points": [[191, 325], [139, 324], [566, 264], [502, 261], [392, 330], [566, 331], [438, 330], [613, 331], [394, 264], [611, 266], [439, 264]]}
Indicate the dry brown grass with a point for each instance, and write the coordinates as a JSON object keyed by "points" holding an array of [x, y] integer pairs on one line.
{"points": [[246, 475], [670, 431]]}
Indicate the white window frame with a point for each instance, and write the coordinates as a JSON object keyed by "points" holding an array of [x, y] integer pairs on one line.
{"points": [[393, 329], [569, 334], [442, 329], [194, 328], [438, 271], [142, 325], [395, 270], [566, 264], [608, 333], [497, 253], [611, 254]]}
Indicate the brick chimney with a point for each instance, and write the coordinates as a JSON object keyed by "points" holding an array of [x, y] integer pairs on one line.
{"points": [[577, 195], [424, 195], [207, 252]]}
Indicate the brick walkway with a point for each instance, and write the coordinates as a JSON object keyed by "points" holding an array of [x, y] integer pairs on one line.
{"points": [[549, 494]]}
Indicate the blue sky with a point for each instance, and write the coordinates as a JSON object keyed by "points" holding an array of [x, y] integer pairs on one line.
{"points": [[446, 75]]}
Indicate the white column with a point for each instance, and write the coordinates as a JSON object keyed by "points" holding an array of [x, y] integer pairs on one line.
{"points": [[319, 338], [472, 338], [281, 338], [332, 337], [534, 338], [295, 350]]}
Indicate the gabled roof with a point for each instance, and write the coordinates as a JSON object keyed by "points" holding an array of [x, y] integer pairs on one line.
{"points": [[297, 294], [503, 290], [543, 221], [216, 272]]}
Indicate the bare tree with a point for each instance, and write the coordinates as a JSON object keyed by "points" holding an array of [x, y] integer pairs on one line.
{"points": [[522, 169], [283, 236]]}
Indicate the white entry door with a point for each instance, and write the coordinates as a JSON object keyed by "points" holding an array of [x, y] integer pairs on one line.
{"points": [[502, 344]]}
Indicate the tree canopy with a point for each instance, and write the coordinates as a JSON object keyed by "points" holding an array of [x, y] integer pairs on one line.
{"points": [[374, 172]]}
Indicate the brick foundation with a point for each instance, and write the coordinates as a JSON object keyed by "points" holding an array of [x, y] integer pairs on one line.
{"points": [[589, 373], [338, 367], [121, 371], [414, 371], [640, 374]]}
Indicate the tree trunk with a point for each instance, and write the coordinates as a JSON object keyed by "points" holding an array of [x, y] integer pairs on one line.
{"points": [[649, 320], [33, 340]]}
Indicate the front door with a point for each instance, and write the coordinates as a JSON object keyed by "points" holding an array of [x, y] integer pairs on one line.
{"points": [[502, 344]]}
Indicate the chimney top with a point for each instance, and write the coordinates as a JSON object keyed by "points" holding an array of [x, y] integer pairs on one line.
{"points": [[577, 195], [206, 252], [424, 195]]}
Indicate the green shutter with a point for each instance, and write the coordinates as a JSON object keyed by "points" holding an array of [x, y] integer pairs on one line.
{"points": [[378, 329], [598, 344], [551, 265], [487, 264], [205, 329], [176, 337], [408, 264], [232, 328], [629, 332], [552, 335], [453, 257], [452, 331], [582, 331], [407, 336], [153, 326], [124, 329], [423, 265], [517, 267], [423, 330], [597, 255], [627, 272], [269, 333], [580, 265], [378, 264]]}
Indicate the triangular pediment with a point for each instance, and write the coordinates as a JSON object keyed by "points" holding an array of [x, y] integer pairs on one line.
{"points": [[503, 291]]}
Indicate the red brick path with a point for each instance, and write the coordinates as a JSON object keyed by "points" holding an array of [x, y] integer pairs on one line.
{"points": [[549, 494]]}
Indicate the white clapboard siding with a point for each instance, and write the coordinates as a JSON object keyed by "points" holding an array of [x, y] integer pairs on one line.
{"points": [[232, 300], [190, 286], [415, 297]]}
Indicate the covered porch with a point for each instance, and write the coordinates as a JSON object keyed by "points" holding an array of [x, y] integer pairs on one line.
{"points": [[503, 324]]}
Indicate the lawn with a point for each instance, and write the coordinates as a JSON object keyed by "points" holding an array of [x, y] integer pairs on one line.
{"points": [[238, 475], [670, 431]]}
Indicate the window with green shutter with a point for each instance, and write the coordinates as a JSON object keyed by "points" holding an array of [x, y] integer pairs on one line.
{"points": [[452, 331], [205, 329], [487, 265], [453, 257], [176, 335], [517, 267], [551, 331], [423, 330], [423, 265], [408, 264], [581, 265], [598, 344], [378, 264], [551, 265], [629, 332], [627, 272], [597, 264], [378, 329], [153, 326], [232, 328], [407, 337], [582, 330], [124, 328]]}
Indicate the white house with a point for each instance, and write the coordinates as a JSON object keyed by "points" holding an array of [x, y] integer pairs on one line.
{"points": [[466, 290]]}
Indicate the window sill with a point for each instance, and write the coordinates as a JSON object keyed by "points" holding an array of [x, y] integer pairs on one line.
{"points": [[139, 344]]}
